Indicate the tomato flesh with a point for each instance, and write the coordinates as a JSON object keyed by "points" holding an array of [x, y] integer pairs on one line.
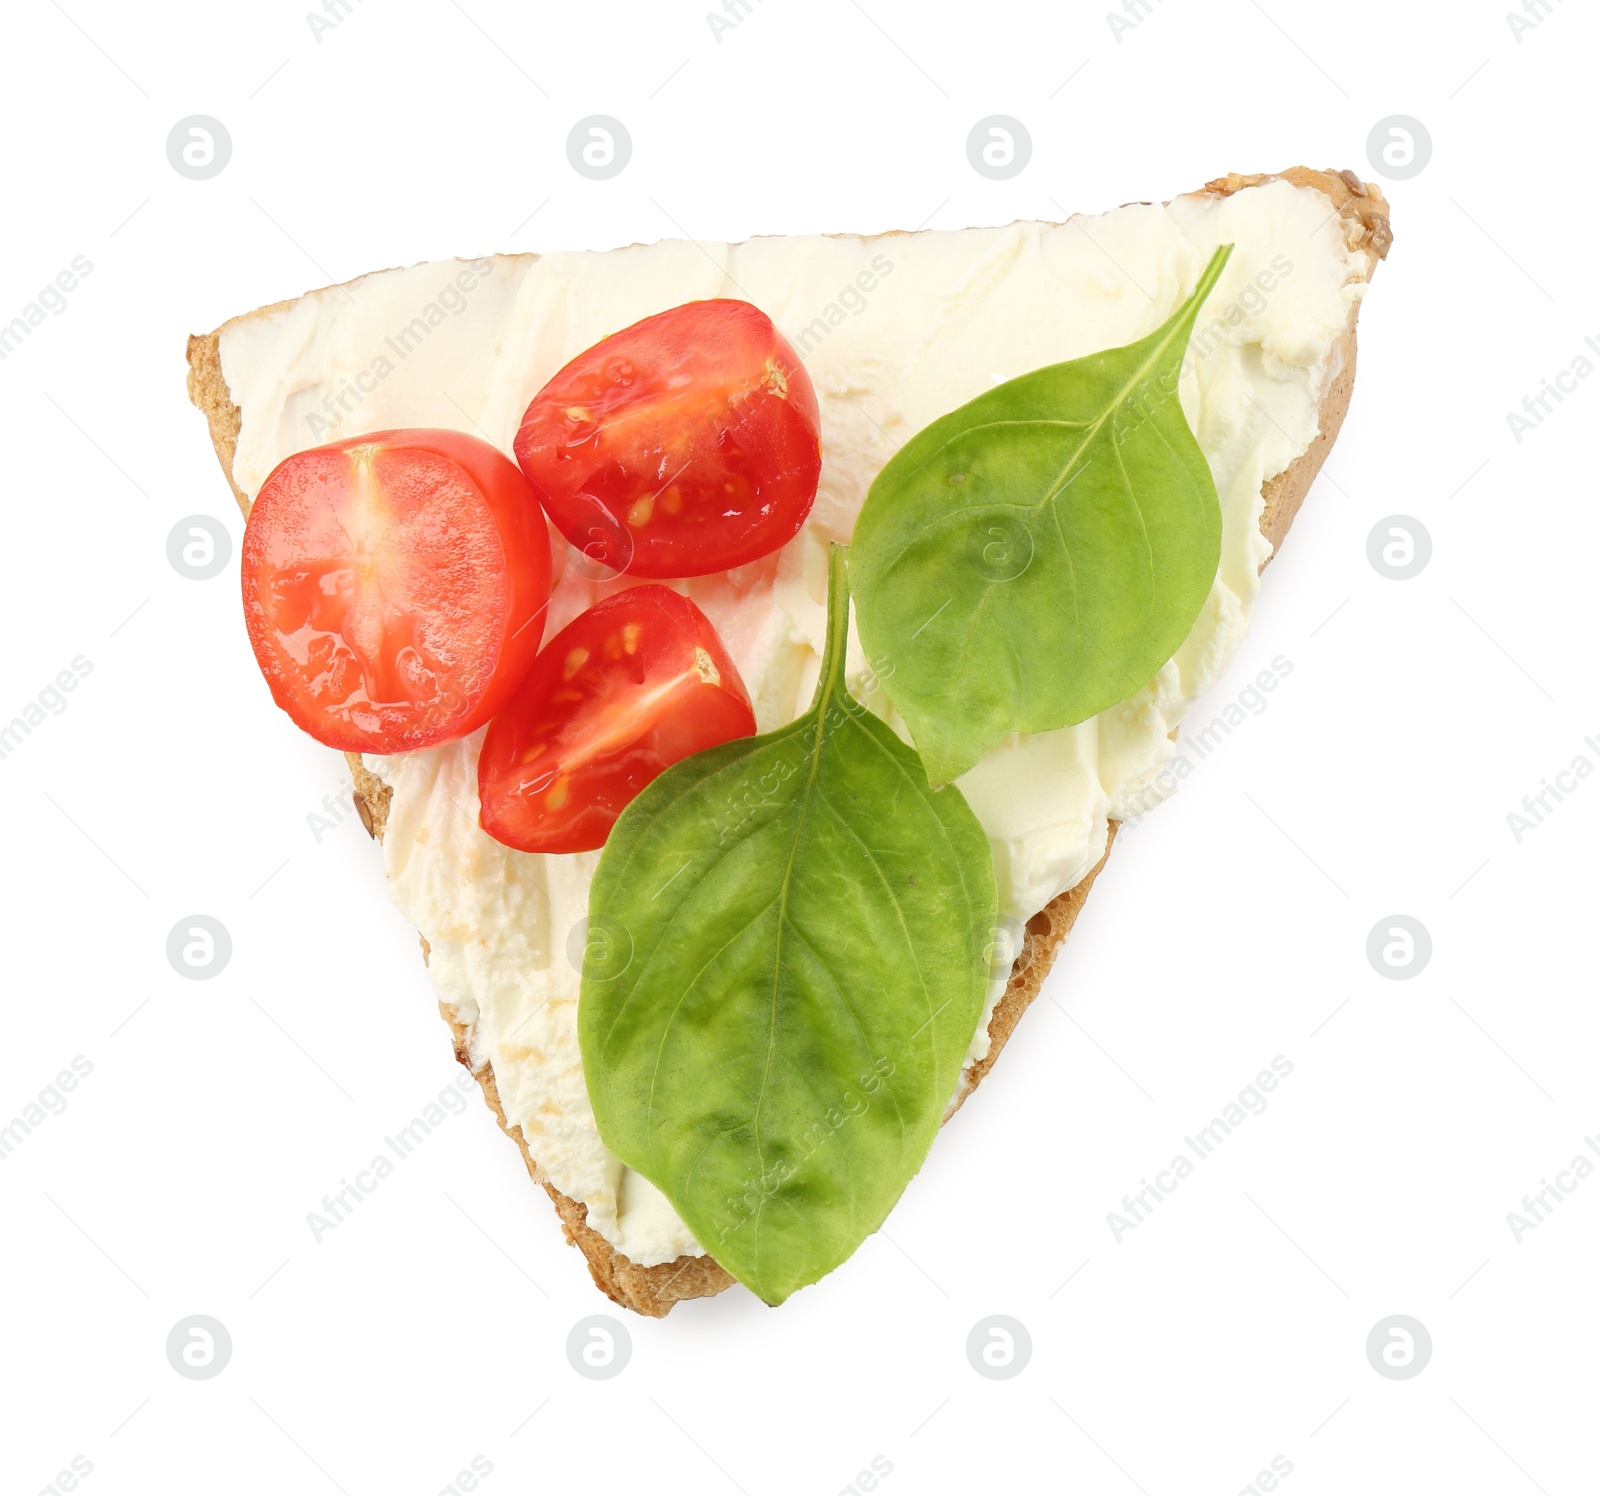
{"points": [[395, 587], [685, 444], [627, 689]]}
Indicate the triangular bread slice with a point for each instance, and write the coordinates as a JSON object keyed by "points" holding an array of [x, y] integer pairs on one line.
{"points": [[653, 1290]]}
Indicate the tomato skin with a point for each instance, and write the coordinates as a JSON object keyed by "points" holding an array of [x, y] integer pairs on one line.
{"points": [[627, 689], [395, 587], [685, 444]]}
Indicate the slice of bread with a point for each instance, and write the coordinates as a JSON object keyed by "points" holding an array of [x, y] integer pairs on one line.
{"points": [[654, 1290]]}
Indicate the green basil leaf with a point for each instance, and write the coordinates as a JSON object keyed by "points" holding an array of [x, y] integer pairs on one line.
{"points": [[1040, 553], [787, 963]]}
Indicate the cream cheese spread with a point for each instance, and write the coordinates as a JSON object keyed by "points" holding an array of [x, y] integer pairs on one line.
{"points": [[895, 330]]}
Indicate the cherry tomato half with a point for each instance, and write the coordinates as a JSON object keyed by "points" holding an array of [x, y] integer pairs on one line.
{"points": [[625, 690], [683, 445], [395, 587]]}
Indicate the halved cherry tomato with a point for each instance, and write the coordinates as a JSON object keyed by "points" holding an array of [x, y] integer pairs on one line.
{"points": [[683, 445], [625, 690], [395, 587]]}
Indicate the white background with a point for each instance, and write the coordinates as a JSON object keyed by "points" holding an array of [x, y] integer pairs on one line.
{"points": [[1230, 927]]}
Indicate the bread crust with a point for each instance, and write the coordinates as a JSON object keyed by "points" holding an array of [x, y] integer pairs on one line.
{"points": [[654, 1290]]}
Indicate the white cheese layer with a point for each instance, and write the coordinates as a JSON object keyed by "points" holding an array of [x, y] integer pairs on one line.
{"points": [[895, 331]]}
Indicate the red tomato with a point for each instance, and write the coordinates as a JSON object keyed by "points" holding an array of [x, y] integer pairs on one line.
{"points": [[395, 587], [682, 445], [625, 690]]}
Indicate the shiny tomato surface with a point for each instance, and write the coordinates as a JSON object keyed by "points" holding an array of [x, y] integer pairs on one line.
{"points": [[685, 444], [628, 688], [395, 587]]}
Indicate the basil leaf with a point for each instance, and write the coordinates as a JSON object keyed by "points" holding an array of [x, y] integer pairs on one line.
{"points": [[787, 962], [1038, 554]]}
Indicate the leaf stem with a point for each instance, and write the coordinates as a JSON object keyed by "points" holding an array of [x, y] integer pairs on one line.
{"points": [[831, 677], [1190, 310]]}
